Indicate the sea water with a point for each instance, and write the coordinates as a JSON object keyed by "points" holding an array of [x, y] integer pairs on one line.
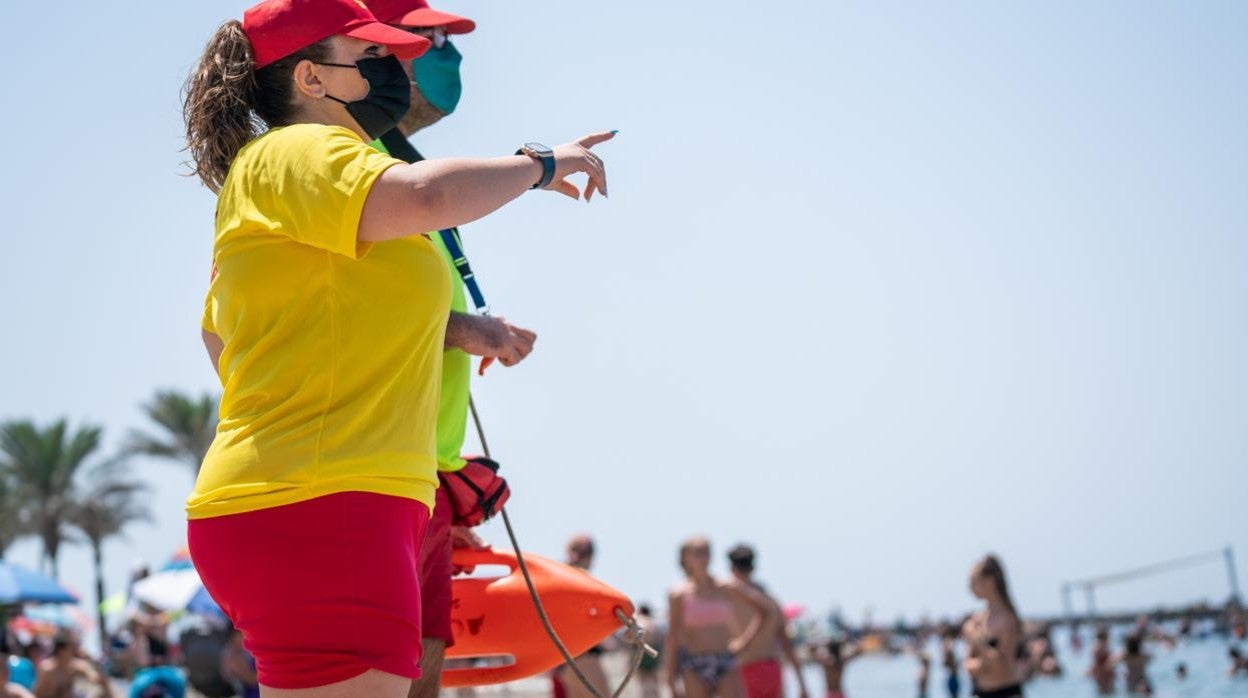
{"points": [[883, 676]]}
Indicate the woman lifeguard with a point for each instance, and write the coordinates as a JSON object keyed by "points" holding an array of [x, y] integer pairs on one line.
{"points": [[325, 319]]}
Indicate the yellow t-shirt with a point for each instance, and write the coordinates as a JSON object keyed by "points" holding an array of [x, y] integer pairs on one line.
{"points": [[333, 348]]}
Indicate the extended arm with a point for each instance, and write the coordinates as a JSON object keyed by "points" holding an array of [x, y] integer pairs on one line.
{"points": [[443, 193]]}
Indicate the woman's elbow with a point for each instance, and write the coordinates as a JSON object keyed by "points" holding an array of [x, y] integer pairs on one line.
{"points": [[429, 202]]}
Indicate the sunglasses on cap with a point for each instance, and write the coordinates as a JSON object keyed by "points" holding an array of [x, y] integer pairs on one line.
{"points": [[436, 35]]}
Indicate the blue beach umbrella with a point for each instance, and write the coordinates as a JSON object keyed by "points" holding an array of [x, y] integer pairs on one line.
{"points": [[20, 585]]}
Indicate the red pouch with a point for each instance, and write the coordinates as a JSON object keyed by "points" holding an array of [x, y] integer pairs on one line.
{"points": [[475, 492]]}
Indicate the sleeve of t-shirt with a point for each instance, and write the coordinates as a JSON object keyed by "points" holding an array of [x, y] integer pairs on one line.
{"points": [[206, 321], [325, 176]]}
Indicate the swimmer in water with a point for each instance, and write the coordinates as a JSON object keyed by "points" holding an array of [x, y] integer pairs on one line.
{"points": [[1135, 659], [834, 658], [1102, 669], [949, 657]]}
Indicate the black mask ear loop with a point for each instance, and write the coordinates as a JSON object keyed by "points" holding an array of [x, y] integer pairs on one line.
{"points": [[336, 65], [388, 98]]}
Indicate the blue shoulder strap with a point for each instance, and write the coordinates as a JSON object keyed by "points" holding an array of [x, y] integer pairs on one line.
{"points": [[450, 238]]}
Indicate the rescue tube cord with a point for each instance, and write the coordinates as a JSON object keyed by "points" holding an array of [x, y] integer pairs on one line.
{"points": [[635, 635]]}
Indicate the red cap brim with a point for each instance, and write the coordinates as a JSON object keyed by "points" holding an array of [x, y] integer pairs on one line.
{"points": [[400, 43], [429, 17]]}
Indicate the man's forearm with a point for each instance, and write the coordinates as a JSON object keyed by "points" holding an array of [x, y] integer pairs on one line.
{"points": [[458, 329]]}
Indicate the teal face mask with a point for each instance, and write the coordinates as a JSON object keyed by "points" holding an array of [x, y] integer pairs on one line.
{"points": [[437, 77]]}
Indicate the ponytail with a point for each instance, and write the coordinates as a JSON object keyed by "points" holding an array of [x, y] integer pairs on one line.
{"points": [[228, 102], [219, 104], [992, 567]]}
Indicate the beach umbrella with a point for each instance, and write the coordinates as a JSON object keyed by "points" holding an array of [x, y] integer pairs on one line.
{"points": [[203, 604], [20, 585], [793, 611], [168, 591], [176, 590], [59, 616]]}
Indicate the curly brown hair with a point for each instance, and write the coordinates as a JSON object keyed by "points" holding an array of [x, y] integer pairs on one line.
{"points": [[228, 102]]}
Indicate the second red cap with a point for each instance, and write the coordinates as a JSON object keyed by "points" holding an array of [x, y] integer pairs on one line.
{"points": [[417, 13]]}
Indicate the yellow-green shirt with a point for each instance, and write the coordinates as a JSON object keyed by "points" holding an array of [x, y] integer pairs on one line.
{"points": [[333, 348]]}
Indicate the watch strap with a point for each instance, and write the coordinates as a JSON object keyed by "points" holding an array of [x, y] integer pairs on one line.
{"points": [[548, 165]]}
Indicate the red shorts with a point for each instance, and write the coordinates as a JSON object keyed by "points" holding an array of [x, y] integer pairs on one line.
{"points": [[763, 679], [322, 590], [436, 572]]}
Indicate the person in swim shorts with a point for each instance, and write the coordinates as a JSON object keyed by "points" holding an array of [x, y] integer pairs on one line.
{"points": [[761, 670], [326, 321]]}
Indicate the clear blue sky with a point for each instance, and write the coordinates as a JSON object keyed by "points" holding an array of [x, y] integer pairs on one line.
{"points": [[881, 286]]}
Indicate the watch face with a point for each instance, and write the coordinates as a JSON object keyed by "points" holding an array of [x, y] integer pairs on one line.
{"points": [[539, 149]]}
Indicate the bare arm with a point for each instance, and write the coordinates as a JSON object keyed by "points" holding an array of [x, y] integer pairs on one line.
{"points": [[675, 632], [443, 193], [215, 346], [761, 609], [83, 669], [786, 648]]}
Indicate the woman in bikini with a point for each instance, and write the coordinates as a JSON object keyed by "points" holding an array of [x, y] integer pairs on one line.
{"points": [[701, 642], [994, 636]]}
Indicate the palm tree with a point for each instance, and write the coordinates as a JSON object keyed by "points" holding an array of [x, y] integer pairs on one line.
{"points": [[13, 513], [187, 424], [43, 463], [109, 502]]}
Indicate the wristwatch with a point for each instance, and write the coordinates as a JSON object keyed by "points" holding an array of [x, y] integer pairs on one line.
{"points": [[544, 155]]}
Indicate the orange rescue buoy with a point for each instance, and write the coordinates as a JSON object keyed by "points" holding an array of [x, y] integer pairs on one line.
{"points": [[494, 619]]}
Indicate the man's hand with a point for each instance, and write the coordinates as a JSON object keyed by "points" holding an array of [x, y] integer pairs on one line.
{"points": [[490, 337], [464, 537]]}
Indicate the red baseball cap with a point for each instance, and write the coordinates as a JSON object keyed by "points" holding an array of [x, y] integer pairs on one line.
{"points": [[278, 28], [417, 13]]}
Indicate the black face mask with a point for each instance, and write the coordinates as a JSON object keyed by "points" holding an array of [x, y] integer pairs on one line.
{"points": [[389, 94]]}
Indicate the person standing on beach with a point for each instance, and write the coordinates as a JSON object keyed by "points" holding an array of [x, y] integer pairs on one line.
{"points": [[994, 636], [761, 670], [702, 645], [326, 323], [435, 89], [648, 669], [565, 682]]}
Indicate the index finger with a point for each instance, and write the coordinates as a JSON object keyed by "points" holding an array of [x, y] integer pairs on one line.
{"points": [[594, 139]]}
